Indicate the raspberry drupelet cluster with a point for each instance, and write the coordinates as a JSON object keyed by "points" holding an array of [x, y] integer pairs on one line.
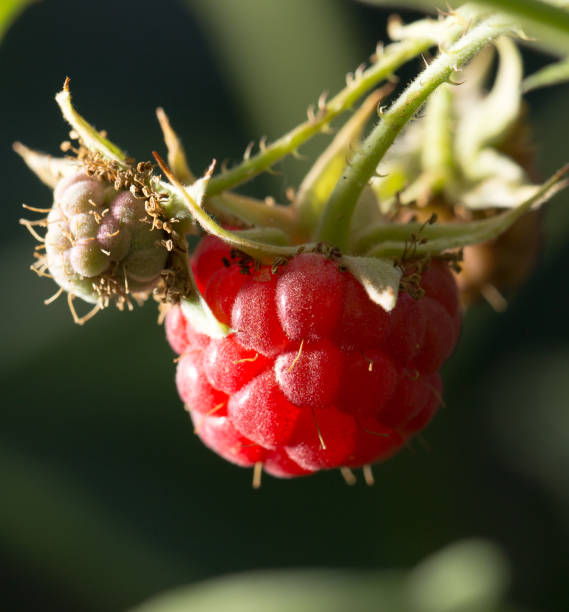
{"points": [[97, 245], [315, 376]]}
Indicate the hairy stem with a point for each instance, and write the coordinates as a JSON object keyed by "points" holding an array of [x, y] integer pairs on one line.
{"points": [[335, 223], [389, 59]]}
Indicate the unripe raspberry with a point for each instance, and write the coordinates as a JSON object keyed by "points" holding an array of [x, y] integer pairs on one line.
{"points": [[99, 242]]}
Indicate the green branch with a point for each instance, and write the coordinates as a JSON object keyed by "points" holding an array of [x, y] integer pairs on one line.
{"points": [[545, 22], [335, 223], [389, 59]]}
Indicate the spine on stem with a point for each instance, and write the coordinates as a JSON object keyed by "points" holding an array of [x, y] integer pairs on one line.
{"points": [[335, 223]]}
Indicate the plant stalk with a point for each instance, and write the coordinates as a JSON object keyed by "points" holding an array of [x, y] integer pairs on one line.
{"points": [[335, 223]]}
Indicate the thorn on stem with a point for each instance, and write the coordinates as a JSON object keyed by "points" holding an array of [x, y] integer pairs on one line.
{"points": [[247, 153], [381, 109]]}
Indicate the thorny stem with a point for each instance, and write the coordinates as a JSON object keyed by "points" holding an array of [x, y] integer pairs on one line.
{"points": [[335, 223], [389, 59]]}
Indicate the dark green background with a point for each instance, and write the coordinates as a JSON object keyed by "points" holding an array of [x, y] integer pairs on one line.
{"points": [[106, 496]]}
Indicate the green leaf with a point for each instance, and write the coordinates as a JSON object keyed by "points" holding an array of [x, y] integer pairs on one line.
{"points": [[236, 209], [286, 591], [379, 277], [437, 153], [553, 74], [92, 139], [267, 235], [489, 119], [470, 576]]}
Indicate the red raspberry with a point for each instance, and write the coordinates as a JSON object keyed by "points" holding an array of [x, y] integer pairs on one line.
{"points": [[315, 375]]}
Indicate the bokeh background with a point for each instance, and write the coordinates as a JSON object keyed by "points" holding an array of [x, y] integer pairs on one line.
{"points": [[106, 496]]}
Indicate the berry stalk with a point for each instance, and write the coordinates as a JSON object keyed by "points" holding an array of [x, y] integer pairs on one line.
{"points": [[427, 33], [335, 222]]}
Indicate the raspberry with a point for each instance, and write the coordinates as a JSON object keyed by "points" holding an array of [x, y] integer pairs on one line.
{"points": [[314, 374], [97, 243]]}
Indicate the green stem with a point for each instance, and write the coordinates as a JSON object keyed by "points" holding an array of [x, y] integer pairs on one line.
{"points": [[402, 232], [390, 58], [395, 240], [335, 223]]}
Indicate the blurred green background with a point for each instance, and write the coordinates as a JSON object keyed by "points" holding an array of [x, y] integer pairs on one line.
{"points": [[106, 497]]}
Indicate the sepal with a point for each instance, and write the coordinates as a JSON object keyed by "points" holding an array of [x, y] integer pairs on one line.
{"points": [[401, 239], [90, 137], [50, 170], [199, 314], [379, 277]]}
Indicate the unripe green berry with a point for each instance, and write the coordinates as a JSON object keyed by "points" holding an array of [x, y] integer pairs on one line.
{"points": [[100, 241]]}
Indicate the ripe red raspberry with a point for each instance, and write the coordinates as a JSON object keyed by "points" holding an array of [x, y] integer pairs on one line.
{"points": [[315, 375]]}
